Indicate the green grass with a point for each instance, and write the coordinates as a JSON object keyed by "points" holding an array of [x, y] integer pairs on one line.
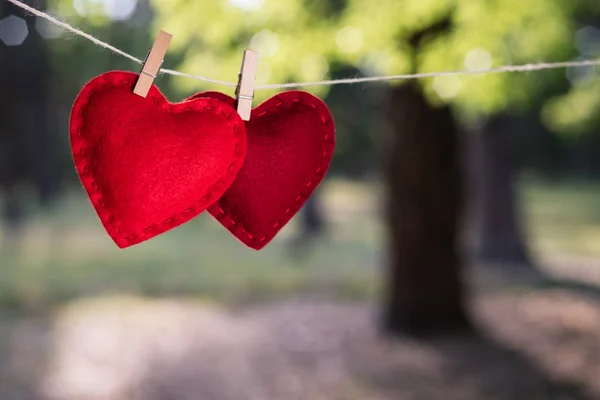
{"points": [[562, 218], [66, 253]]}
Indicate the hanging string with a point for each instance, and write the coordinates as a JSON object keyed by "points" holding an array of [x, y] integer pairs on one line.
{"points": [[496, 70]]}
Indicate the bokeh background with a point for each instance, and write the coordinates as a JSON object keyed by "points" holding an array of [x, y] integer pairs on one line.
{"points": [[453, 252]]}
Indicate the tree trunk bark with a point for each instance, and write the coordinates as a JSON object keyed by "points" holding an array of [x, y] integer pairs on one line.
{"points": [[498, 235], [422, 168], [26, 145]]}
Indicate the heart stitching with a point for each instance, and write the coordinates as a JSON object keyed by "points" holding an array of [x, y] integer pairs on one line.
{"points": [[292, 98], [82, 158]]}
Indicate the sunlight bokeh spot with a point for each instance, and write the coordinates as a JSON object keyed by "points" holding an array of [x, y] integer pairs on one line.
{"points": [[478, 60], [13, 30], [581, 76], [349, 39], [119, 9], [375, 63], [247, 5], [48, 30], [447, 87], [314, 66], [587, 41], [265, 42], [85, 7], [114, 9], [263, 74]]}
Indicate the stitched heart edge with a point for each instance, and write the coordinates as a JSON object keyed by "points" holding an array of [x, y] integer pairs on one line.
{"points": [[121, 79], [281, 102]]}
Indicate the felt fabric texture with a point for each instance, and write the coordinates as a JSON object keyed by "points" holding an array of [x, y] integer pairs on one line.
{"points": [[149, 165], [291, 138]]}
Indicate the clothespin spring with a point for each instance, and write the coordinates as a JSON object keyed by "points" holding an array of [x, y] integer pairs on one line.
{"points": [[244, 92], [152, 63]]}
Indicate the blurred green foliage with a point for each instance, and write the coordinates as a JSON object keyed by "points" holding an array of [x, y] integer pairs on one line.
{"points": [[576, 112], [299, 39], [309, 40]]}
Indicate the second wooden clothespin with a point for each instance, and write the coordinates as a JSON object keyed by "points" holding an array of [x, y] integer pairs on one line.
{"points": [[152, 64], [244, 93]]}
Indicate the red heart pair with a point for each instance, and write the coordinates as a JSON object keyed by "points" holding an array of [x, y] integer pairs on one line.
{"points": [[149, 165]]}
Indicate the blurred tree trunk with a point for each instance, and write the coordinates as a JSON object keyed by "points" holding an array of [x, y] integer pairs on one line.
{"points": [[498, 235], [26, 145], [584, 160], [311, 226], [423, 174]]}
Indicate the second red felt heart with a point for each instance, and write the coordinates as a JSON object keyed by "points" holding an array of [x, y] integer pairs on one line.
{"points": [[149, 165], [291, 139]]}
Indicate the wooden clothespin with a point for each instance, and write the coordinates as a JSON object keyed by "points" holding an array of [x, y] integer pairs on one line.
{"points": [[152, 63], [244, 93]]}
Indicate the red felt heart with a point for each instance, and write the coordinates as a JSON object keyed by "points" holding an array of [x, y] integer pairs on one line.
{"points": [[149, 165], [291, 138]]}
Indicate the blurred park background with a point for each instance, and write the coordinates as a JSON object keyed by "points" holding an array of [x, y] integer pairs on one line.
{"points": [[453, 251]]}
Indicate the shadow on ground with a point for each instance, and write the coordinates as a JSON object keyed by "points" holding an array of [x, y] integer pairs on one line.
{"points": [[540, 345]]}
